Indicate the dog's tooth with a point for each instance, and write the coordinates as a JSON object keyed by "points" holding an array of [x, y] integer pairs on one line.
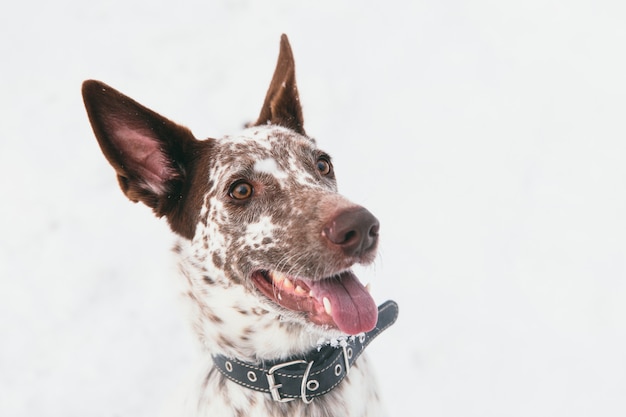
{"points": [[327, 306], [278, 277], [287, 284], [368, 287], [299, 290]]}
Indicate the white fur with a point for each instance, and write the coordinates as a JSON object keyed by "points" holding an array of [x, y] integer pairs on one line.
{"points": [[269, 166]]}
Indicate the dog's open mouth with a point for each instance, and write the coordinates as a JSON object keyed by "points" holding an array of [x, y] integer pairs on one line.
{"points": [[340, 301]]}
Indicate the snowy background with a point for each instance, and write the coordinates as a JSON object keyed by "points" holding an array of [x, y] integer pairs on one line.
{"points": [[489, 137]]}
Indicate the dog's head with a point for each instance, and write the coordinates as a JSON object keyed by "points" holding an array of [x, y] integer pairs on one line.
{"points": [[259, 210]]}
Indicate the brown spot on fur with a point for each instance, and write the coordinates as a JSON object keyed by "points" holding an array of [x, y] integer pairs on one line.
{"points": [[259, 311], [209, 314], [208, 378], [241, 311], [217, 260], [222, 386], [225, 341], [246, 333]]}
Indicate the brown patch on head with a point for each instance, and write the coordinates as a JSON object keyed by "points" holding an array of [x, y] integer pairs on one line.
{"points": [[184, 216]]}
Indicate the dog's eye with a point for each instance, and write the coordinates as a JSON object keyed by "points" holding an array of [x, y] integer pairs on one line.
{"points": [[324, 166], [241, 190]]}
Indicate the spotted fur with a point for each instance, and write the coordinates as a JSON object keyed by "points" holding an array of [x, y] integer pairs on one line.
{"points": [[261, 200]]}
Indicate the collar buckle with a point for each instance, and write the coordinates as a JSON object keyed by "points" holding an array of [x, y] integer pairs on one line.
{"points": [[273, 386], [306, 384]]}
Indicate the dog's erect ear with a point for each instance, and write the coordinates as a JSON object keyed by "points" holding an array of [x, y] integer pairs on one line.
{"points": [[282, 104], [150, 154]]}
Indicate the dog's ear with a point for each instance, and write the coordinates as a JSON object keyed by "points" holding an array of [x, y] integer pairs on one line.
{"points": [[149, 153], [282, 104]]}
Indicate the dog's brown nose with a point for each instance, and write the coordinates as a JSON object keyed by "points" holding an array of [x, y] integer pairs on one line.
{"points": [[354, 230]]}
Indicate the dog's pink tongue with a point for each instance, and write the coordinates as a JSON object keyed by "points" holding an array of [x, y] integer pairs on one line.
{"points": [[353, 308]]}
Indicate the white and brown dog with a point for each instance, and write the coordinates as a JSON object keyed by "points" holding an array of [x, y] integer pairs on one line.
{"points": [[265, 246]]}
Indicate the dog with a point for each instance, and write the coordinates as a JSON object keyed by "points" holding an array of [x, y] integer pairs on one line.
{"points": [[265, 246]]}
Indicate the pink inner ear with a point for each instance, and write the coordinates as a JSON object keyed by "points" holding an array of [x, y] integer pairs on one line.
{"points": [[142, 154]]}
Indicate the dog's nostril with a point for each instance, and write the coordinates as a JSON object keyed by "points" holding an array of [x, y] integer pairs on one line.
{"points": [[349, 236]]}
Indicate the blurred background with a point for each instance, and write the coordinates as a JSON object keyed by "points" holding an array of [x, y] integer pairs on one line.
{"points": [[488, 137]]}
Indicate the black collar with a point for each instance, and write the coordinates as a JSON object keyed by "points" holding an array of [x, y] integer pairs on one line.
{"points": [[311, 376]]}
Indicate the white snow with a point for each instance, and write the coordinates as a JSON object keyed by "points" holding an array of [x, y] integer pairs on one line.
{"points": [[487, 137]]}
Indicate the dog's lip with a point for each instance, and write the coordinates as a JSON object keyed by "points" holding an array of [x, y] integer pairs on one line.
{"points": [[339, 301]]}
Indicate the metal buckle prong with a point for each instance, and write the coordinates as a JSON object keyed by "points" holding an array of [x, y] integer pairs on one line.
{"points": [[272, 382], [346, 359], [304, 384]]}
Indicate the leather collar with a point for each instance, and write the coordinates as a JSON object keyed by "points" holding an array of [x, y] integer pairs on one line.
{"points": [[312, 375]]}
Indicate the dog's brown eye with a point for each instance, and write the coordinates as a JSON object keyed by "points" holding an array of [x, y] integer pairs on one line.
{"points": [[241, 190], [324, 166]]}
